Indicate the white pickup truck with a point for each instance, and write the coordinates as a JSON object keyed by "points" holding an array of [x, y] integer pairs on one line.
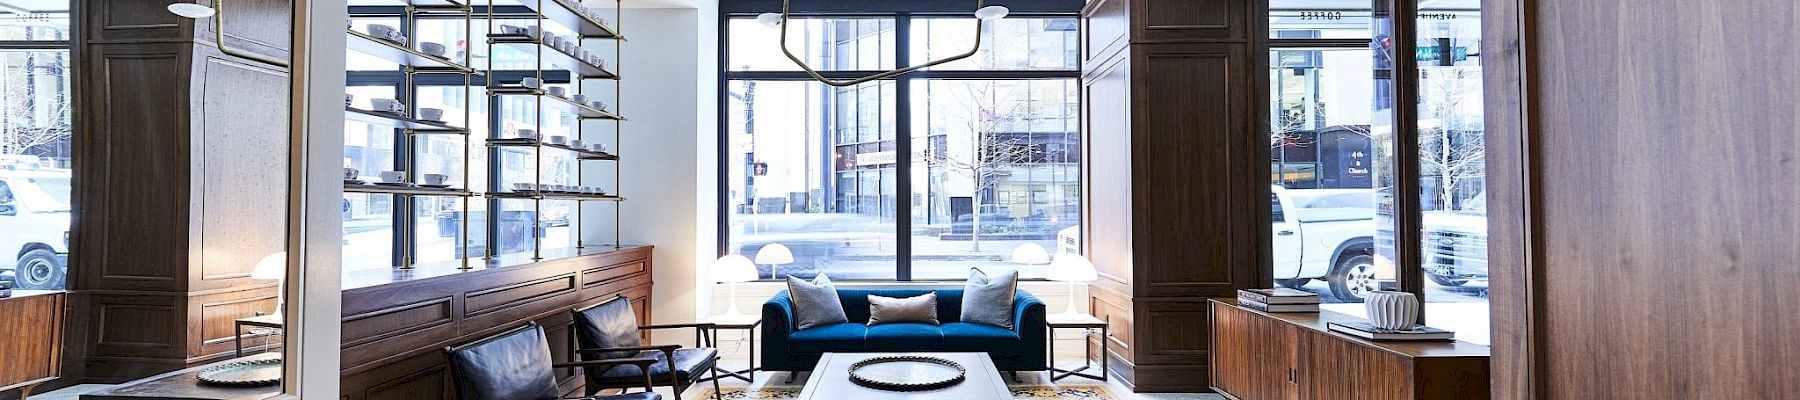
{"points": [[34, 211], [1326, 234]]}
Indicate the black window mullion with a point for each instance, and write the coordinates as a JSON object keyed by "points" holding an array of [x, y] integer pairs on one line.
{"points": [[903, 150]]}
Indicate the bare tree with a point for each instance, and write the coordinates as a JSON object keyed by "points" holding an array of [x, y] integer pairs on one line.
{"points": [[31, 119], [990, 154], [1450, 141]]}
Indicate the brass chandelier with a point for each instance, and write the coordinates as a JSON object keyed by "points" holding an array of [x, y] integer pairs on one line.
{"points": [[983, 13]]}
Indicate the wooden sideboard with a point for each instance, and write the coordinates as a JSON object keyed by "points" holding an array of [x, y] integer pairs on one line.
{"points": [[31, 337], [1261, 356], [397, 323]]}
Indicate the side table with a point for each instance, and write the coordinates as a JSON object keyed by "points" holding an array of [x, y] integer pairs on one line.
{"points": [[746, 323], [274, 321], [1087, 324]]}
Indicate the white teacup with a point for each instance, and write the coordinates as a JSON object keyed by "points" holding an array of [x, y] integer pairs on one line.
{"points": [[431, 114], [393, 176], [557, 139], [436, 49], [382, 31], [579, 98], [534, 31], [525, 133], [436, 179], [530, 82], [557, 91], [577, 144], [386, 105], [598, 105], [350, 174]]}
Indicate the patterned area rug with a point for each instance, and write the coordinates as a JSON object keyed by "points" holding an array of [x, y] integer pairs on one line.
{"points": [[1097, 392]]}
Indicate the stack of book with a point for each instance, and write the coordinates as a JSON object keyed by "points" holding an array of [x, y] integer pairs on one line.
{"points": [[1366, 331], [1279, 300]]}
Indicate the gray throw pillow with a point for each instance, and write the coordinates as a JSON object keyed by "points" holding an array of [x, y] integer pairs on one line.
{"points": [[816, 303], [888, 310], [989, 300]]}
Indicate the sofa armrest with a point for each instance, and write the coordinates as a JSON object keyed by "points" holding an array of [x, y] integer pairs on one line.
{"points": [[778, 313], [1028, 313]]}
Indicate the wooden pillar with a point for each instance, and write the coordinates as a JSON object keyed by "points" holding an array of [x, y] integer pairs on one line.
{"points": [[1177, 175], [180, 183]]}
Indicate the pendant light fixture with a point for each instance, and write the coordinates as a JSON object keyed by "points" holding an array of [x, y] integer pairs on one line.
{"points": [[983, 13]]}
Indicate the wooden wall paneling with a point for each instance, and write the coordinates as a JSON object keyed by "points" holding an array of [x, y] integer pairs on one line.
{"points": [[1106, 30], [1107, 114], [1190, 20], [240, 135], [1690, 233], [31, 338], [1191, 167], [216, 314], [394, 333], [121, 21], [1512, 299], [136, 96]]}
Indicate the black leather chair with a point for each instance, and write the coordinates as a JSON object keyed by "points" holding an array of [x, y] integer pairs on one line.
{"points": [[609, 331], [516, 365]]}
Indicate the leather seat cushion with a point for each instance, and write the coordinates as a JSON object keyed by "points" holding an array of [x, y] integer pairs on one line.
{"points": [[689, 364]]}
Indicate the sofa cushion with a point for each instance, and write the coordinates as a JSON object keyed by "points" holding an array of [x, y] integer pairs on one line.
{"points": [[971, 336], [815, 303], [888, 310], [839, 337], [905, 336], [989, 300]]}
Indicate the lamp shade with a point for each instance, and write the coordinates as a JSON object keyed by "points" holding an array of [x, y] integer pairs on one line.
{"points": [[191, 10], [1030, 253], [1071, 268], [271, 267], [774, 253], [733, 268]]}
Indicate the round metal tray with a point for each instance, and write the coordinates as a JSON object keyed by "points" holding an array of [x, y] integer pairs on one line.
{"points": [[907, 373], [244, 373]]}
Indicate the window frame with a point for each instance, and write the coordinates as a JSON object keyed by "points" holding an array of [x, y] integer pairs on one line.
{"points": [[903, 100]]}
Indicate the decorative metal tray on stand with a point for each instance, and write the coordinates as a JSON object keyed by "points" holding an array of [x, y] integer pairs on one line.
{"points": [[907, 373], [250, 373]]}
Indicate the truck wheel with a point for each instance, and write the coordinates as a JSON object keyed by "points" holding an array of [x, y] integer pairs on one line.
{"points": [[1444, 280], [1353, 277], [1295, 283], [39, 270]]}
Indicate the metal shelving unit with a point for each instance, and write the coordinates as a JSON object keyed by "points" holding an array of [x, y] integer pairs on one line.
{"points": [[411, 62], [546, 59]]}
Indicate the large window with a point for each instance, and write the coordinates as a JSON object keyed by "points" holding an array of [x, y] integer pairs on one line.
{"points": [[1348, 175], [35, 138], [918, 177]]}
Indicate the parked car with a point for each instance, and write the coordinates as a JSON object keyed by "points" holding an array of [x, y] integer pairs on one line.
{"points": [[1326, 234], [816, 239], [34, 209], [1456, 244]]}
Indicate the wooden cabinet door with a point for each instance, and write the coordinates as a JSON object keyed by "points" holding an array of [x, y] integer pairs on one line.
{"points": [[1338, 369], [1254, 358]]}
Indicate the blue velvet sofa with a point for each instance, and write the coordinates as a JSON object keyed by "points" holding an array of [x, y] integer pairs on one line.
{"points": [[1019, 349]]}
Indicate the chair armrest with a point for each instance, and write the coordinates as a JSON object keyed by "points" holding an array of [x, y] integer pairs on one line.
{"points": [[643, 365], [697, 325], [663, 348], [640, 362]]}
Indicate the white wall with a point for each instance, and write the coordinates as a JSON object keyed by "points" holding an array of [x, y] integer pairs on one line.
{"points": [[668, 148]]}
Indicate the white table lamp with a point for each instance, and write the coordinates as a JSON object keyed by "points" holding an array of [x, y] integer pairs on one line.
{"points": [[1031, 254], [1074, 269], [731, 270], [274, 267], [774, 254]]}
